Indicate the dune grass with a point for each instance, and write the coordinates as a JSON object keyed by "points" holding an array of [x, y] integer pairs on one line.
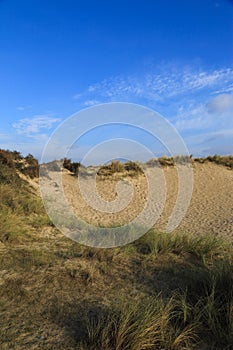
{"points": [[160, 292], [163, 291], [198, 303], [220, 160]]}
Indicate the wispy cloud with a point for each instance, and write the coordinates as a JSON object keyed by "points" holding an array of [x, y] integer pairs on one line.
{"points": [[211, 115], [32, 126], [215, 142], [197, 101], [91, 103], [191, 117], [23, 108], [77, 96], [159, 86], [31, 134], [4, 136], [225, 89], [221, 104]]}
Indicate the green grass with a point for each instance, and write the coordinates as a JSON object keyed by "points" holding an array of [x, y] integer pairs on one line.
{"points": [[203, 247]]}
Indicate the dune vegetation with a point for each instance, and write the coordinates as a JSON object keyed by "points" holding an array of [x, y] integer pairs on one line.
{"points": [[163, 291]]}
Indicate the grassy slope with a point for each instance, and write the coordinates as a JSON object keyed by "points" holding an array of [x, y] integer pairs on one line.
{"points": [[161, 292]]}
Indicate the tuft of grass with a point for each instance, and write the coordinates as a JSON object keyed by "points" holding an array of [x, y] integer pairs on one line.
{"points": [[139, 325], [203, 247]]}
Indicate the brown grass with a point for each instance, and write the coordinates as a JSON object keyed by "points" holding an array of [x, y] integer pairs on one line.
{"points": [[164, 291]]}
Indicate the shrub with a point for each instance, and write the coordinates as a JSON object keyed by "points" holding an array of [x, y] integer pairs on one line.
{"points": [[11, 162], [133, 166], [114, 167], [31, 160], [32, 171], [165, 161], [222, 160], [71, 166]]}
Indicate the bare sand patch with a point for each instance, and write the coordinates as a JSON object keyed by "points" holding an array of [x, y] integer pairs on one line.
{"points": [[210, 209]]}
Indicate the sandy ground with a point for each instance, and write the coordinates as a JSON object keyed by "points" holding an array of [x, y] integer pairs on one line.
{"points": [[210, 209]]}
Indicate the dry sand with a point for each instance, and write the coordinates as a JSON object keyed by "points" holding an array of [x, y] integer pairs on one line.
{"points": [[210, 209]]}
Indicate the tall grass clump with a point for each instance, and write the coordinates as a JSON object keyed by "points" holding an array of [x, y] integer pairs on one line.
{"points": [[203, 247], [139, 325]]}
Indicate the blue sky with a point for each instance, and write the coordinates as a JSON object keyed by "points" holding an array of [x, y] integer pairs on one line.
{"points": [[58, 57]]}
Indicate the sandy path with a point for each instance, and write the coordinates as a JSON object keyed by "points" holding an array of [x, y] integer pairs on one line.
{"points": [[210, 209]]}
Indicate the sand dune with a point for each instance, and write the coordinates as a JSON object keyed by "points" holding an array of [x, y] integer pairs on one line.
{"points": [[210, 209]]}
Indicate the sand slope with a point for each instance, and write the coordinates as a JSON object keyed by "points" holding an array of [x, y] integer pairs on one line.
{"points": [[210, 210]]}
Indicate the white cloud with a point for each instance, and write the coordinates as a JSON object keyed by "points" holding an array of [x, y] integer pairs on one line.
{"points": [[4, 136], [91, 88], [207, 79], [32, 126], [200, 116], [207, 143], [225, 89], [180, 94], [166, 83], [77, 96], [91, 102], [221, 104], [23, 108], [192, 118]]}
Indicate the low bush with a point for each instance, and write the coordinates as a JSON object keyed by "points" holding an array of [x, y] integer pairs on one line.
{"points": [[71, 166]]}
